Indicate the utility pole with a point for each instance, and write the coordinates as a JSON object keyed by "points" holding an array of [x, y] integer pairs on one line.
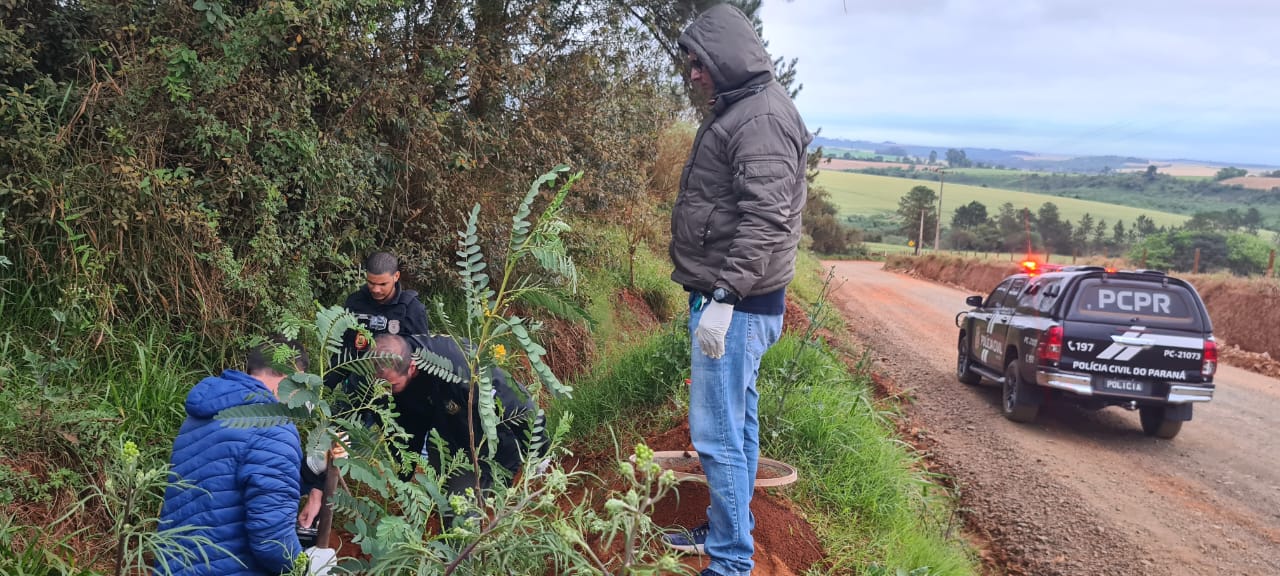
{"points": [[920, 236], [937, 229]]}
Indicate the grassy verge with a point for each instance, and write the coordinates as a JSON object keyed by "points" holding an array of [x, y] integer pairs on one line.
{"points": [[864, 490]]}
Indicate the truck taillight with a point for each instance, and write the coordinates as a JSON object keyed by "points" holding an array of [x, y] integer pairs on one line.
{"points": [[1049, 348], [1210, 364]]}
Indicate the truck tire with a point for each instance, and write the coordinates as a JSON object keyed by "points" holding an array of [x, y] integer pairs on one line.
{"points": [[1155, 424], [964, 369], [1019, 400]]}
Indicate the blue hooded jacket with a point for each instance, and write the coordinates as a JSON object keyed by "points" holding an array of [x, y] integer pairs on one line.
{"points": [[242, 489]]}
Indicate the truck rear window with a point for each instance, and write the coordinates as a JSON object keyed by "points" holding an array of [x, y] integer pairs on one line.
{"points": [[1129, 302]]}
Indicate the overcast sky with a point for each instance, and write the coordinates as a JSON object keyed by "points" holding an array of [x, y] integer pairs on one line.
{"points": [[1151, 78]]}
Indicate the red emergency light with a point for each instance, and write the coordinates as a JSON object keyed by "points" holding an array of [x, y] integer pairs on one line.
{"points": [[1031, 267]]}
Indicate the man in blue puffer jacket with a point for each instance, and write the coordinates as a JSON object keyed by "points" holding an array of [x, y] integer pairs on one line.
{"points": [[241, 485]]}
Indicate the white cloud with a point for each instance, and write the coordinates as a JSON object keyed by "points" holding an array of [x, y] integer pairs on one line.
{"points": [[1144, 77]]}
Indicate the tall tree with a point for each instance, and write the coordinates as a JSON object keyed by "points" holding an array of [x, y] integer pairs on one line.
{"points": [[1010, 226], [1100, 235], [1118, 236], [1252, 220], [1143, 226], [933, 157], [970, 215], [1080, 241], [958, 158], [911, 205], [1054, 231]]}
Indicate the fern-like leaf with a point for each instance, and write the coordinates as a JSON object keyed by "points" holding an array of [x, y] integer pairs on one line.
{"points": [[260, 415], [555, 303], [488, 411], [520, 225], [317, 442], [436, 365], [443, 317], [363, 472], [332, 324]]}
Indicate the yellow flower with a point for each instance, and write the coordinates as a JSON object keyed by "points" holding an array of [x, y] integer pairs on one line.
{"points": [[499, 353], [130, 452]]}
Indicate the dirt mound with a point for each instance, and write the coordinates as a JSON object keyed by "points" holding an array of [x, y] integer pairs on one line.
{"points": [[569, 346], [1260, 362], [795, 320], [638, 316], [1243, 311], [785, 543]]}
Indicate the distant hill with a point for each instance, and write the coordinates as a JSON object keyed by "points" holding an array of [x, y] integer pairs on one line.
{"points": [[1018, 159]]}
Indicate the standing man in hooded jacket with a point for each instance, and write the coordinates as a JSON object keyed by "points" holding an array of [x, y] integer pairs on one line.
{"points": [[734, 233]]}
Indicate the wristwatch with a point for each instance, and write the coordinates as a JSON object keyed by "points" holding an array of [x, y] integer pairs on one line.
{"points": [[724, 297]]}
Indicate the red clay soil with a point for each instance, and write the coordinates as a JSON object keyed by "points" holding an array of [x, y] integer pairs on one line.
{"points": [[640, 316], [785, 543], [795, 321]]}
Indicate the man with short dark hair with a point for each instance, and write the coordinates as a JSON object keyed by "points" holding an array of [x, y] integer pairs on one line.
{"points": [[426, 402], [238, 487], [734, 233], [381, 305]]}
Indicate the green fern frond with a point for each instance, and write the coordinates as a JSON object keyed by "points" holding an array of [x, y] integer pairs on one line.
{"points": [[554, 303], [358, 507], [466, 268], [488, 410], [436, 365], [332, 324], [260, 415], [534, 352], [552, 258], [520, 225], [318, 441], [552, 212], [364, 473], [443, 317], [549, 379], [307, 399]]}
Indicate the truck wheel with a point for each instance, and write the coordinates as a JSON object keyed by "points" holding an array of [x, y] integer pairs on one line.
{"points": [[1155, 424], [1019, 402], [964, 372]]}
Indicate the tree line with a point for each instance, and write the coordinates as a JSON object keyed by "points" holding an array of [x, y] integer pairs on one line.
{"points": [[1227, 239]]}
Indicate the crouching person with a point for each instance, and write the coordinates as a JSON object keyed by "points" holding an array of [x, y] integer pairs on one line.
{"points": [[426, 402], [237, 487]]}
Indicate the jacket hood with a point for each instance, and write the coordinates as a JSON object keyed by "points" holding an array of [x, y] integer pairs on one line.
{"points": [[727, 44], [233, 388]]}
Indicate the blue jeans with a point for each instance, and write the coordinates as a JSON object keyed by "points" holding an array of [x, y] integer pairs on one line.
{"points": [[724, 424]]}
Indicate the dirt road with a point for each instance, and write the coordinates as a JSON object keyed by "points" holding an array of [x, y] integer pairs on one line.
{"points": [[1080, 492]]}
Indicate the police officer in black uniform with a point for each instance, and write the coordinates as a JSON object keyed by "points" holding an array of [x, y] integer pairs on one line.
{"points": [[381, 305], [426, 402]]}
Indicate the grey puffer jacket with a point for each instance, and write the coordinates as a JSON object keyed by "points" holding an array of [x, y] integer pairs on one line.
{"points": [[736, 223]]}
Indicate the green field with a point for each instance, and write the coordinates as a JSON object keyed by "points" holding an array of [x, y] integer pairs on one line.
{"points": [[877, 195], [877, 249]]}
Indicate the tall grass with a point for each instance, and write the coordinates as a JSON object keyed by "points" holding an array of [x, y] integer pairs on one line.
{"points": [[865, 491], [620, 386]]}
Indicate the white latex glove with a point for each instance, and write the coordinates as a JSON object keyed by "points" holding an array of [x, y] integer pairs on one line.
{"points": [[712, 328], [323, 560]]}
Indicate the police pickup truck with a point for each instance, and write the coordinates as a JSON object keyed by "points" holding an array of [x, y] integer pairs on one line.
{"points": [[1140, 339]]}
